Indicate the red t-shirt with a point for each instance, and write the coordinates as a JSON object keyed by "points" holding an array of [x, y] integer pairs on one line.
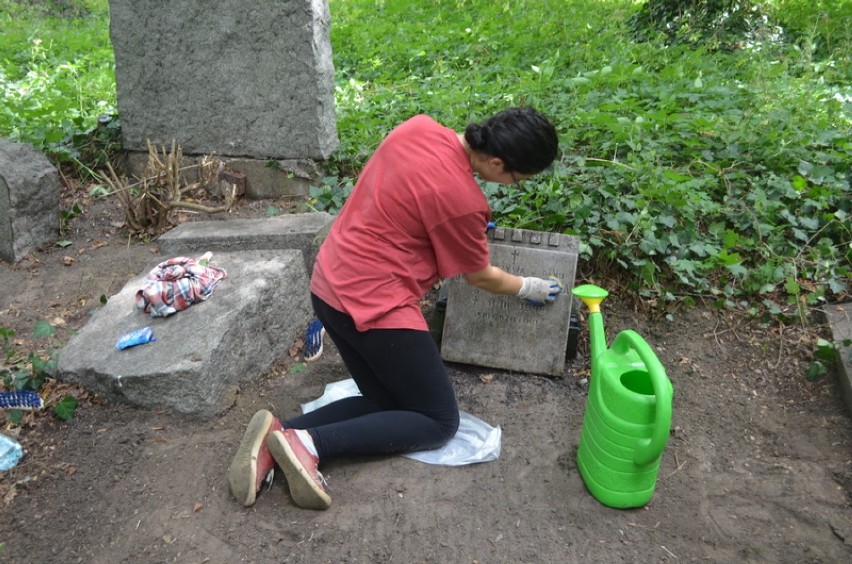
{"points": [[416, 214]]}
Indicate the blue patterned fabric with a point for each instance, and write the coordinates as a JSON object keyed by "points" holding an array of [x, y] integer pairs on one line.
{"points": [[20, 399]]}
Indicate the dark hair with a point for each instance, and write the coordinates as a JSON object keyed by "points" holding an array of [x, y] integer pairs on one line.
{"points": [[524, 139]]}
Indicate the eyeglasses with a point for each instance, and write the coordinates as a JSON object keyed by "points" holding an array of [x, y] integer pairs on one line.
{"points": [[514, 177]]}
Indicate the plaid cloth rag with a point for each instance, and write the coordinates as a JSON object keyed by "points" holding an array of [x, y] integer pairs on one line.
{"points": [[177, 283]]}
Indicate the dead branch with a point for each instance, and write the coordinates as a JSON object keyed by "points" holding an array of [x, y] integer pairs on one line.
{"points": [[150, 201]]}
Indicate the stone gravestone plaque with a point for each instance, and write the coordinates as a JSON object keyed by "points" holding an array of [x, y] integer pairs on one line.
{"points": [[504, 332]]}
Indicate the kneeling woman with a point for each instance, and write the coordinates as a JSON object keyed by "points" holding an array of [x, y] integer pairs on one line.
{"points": [[416, 215]]}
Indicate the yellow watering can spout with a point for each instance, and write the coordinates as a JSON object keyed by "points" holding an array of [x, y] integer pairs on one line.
{"points": [[591, 295]]}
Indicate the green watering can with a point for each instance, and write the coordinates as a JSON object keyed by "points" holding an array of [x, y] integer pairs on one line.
{"points": [[628, 413]]}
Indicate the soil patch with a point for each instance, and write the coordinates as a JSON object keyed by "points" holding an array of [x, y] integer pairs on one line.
{"points": [[758, 467]]}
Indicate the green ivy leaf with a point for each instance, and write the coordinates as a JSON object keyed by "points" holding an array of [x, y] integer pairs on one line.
{"points": [[791, 286], [826, 350], [816, 370], [772, 307], [667, 220], [799, 183], [44, 329], [66, 408], [298, 368], [809, 222], [15, 416], [729, 259], [99, 191], [730, 239]]}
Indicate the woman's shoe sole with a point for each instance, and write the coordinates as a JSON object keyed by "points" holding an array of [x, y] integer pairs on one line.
{"points": [[242, 474], [304, 490]]}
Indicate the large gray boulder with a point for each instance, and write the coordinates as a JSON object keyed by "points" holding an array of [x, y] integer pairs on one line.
{"points": [[29, 200], [203, 353]]}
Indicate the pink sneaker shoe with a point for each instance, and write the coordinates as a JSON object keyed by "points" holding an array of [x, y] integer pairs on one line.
{"points": [[253, 465], [307, 486]]}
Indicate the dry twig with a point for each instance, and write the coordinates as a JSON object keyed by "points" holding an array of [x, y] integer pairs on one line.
{"points": [[149, 202]]}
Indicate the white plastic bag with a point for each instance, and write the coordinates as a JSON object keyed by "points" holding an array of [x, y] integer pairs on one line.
{"points": [[10, 453], [475, 441]]}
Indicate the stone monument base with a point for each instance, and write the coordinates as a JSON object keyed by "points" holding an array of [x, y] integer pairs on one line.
{"points": [[257, 179]]}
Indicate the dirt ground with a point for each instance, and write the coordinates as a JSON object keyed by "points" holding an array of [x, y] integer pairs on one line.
{"points": [[758, 467]]}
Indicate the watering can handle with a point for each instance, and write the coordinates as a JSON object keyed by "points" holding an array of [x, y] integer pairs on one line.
{"points": [[648, 450]]}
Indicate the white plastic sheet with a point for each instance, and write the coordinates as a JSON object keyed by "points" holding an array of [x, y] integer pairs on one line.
{"points": [[475, 441]]}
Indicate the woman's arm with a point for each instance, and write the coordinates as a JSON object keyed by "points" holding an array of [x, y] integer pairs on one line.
{"points": [[537, 291], [495, 280]]}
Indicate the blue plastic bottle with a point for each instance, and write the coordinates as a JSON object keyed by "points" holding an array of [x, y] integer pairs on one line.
{"points": [[138, 337], [10, 453]]}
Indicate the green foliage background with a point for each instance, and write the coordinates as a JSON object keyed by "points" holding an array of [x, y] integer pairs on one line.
{"points": [[691, 166], [695, 171], [56, 75]]}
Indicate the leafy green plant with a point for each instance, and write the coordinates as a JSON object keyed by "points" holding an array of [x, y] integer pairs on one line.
{"points": [[30, 372], [65, 217], [27, 372], [694, 172], [99, 191], [824, 357], [819, 29], [94, 148], [57, 80], [331, 194], [717, 22]]}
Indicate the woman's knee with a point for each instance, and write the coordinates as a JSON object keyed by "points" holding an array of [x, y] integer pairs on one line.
{"points": [[449, 425]]}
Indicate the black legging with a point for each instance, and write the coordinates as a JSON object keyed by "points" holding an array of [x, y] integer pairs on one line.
{"points": [[407, 402]]}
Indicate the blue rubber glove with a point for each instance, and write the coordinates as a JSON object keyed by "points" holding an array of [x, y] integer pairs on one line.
{"points": [[540, 291]]}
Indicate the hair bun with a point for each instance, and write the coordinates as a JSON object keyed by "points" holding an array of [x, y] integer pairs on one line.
{"points": [[485, 132], [522, 138], [477, 136]]}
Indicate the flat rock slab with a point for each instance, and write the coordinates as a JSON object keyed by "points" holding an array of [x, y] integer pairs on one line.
{"points": [[504, 332], [203, 353], [304, 232]]}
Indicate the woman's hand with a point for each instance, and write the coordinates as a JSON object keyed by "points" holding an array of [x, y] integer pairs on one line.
{"points": [[540, 291]]}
